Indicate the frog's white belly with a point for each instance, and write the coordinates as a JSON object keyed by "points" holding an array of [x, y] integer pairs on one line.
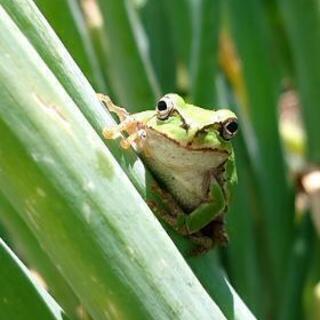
{"points": [[186, 173]]}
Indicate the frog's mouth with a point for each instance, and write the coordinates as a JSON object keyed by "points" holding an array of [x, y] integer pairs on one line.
{"points": [[211, 136], [206, 139]]}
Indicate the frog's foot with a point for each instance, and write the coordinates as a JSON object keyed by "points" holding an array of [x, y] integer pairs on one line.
{"points": [[203, 244], [136, 135], [219, 234], [210, 236], [136, 138], [216, 231]]}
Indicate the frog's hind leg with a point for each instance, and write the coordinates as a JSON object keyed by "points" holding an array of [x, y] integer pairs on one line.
{"points": [[216, 230], [207, 212], [208, 237], [202, 244]]}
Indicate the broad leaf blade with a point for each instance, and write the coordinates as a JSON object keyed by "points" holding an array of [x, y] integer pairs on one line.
{"points": [[46, 43], [112, 252]]}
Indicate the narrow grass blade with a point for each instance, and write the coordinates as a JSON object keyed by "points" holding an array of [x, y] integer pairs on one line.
{"points": [[180, 21], [251, 37], [213, 278], [161, 44], [67, 20], [304, 40], [311, 301], [204, 58], [94, 23], [243, 262], [26, 246], [242, 251], [299, 264], [305, 47], [21, 298], [133, 79], [112, 252], [212, 275]]}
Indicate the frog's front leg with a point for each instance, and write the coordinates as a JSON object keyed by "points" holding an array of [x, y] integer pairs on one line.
{"points": [[190, 224], [122, 113], [208, 211], [127, 124]]}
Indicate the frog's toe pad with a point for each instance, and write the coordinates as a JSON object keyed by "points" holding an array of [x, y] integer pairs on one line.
{"points": [[110, 133]]}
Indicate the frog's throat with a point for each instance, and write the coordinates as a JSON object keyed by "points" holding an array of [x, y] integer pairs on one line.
{"points": [[189, 145]]}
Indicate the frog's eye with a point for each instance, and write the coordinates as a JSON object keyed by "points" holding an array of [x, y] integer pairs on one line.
{"points": [[164, 107], [229, 128]]}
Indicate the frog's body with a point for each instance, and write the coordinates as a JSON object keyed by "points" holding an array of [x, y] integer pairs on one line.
{"points": [[174, 165], [189, 151]]}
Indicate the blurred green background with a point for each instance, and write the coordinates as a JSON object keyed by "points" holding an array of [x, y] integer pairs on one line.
{"points": [[258, 57]]}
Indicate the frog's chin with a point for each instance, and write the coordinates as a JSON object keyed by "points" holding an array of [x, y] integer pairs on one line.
{"points": [[195, 145]]}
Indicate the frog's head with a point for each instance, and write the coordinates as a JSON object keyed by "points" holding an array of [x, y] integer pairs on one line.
{"points": [[193, 127]]}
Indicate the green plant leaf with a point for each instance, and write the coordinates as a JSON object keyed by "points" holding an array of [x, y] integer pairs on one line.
{"points": [[301, 256], [26, 246], [45, 41], [204, 58], [243, 265], [211, 274], [67, 20], [21, 298], [133, 78], [306, 63], [307, 79], [180, 21], [70, 191], [250, 33], [161, 44]]}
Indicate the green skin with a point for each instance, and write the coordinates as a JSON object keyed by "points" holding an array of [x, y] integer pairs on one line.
{"points": [[188, 149]]}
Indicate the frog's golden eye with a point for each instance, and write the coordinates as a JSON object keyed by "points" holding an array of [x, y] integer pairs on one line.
{"points": [[164, 107], [229, 128]]}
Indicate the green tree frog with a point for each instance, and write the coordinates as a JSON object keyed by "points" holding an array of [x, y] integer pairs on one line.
{"points": [[188, 150]]}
